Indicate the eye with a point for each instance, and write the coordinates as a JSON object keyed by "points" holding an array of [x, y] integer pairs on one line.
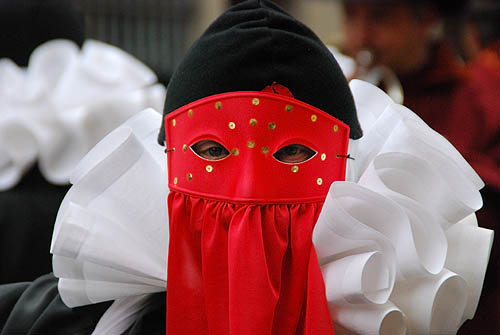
{"points": [[210, 150], [294, 153]]}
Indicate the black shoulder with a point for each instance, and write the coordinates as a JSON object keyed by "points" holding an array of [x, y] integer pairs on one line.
{"points": [[36, 308]]}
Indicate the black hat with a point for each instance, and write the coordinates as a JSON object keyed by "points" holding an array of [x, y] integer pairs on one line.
{"points": [[25, 24], [252, 45]]}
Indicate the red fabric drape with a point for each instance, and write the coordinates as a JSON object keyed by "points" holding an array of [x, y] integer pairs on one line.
{"points": [[243, 269]]}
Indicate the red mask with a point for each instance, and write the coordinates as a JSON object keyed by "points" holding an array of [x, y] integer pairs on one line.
{"points": [[241, 260]]}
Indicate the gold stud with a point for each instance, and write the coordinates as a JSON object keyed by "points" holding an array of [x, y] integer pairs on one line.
{"points": [[272, 125], [189, 176], [319, 181], [184, 148], [323, 157], [295, 169], [265, 150], [288, 108], [218, 105], [336, 128], [314, 118], [251, 144], [174, 123], [235, 152], [255, 101], [253, 122], [231, 125], [190, 113], [209, 168], [176, 181]]}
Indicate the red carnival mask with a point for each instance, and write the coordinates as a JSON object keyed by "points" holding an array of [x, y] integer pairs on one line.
{"points": [[253, 127]]}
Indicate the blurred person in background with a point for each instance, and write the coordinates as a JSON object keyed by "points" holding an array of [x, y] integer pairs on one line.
{"points": [[26, 209], [481, 46]]}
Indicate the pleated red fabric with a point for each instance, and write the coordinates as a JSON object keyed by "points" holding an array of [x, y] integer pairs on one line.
{"points": [[243, 269]]}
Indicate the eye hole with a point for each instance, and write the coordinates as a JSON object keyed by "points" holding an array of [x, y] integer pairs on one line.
{"points": [[210, 150], [294, 153]]}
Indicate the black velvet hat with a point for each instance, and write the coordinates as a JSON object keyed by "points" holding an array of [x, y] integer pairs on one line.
{"points": [[25, 24], [252, 45]]}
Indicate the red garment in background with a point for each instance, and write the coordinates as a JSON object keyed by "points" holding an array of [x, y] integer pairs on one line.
{"points": [[463, 105]]}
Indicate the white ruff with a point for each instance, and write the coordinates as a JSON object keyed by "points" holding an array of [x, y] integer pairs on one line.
{"points": [[395, 240], [66, 100]]}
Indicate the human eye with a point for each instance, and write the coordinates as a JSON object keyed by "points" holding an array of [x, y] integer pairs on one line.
{"points": [[294, 153], [210, 150]]}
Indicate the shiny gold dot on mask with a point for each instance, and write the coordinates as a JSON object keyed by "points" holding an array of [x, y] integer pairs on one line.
{"points": [[295, 169], [319, 181], [255, 101], [323, 157], [335, 128], [235, 152], [231, 125], [184, 148], [272, 125], [176, 181], [251, 144], [218, 105], [265, 150], [253, 122], [174, 122], [189, 176], [288, 108], [314, 118], [190, 113], [209, 168]]}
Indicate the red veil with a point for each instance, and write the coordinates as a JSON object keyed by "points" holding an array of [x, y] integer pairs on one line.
{"points": [[241, 259]]}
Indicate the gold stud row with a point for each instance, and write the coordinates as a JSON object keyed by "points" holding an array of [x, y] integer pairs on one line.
{"points": [[209, 169]]}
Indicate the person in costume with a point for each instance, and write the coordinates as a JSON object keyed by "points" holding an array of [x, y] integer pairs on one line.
{"points": [[259, 122]]}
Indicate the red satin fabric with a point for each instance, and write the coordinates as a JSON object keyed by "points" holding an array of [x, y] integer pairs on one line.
{"points": [[243, 269]]}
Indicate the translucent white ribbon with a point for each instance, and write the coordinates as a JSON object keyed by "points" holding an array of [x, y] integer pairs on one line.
{"points": [[120, 315]]}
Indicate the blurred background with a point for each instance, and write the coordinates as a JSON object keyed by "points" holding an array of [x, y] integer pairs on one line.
{"points": [[159, 32]]}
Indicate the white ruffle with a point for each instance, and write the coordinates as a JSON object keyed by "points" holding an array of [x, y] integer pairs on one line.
{"points": [[410, 187], [394, 241], [66, 101], [110, 240]]}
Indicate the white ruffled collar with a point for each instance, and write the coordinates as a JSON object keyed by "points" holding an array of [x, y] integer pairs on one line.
{"points": [[64, 102], [394, 240]]}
